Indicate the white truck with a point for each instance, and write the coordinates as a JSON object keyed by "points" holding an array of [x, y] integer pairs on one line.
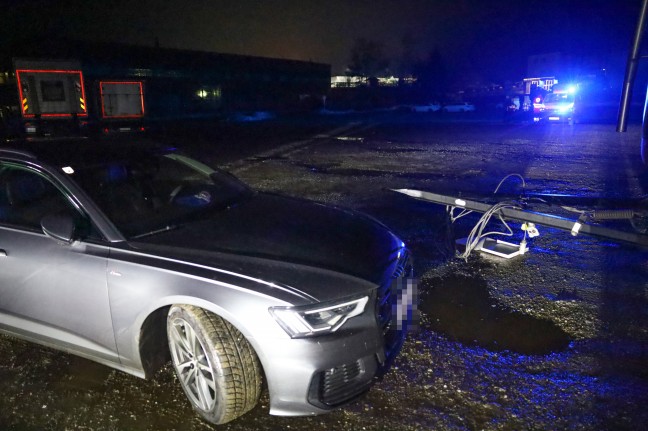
{"points": [[121, 104], [51, 95], [54, 99]]}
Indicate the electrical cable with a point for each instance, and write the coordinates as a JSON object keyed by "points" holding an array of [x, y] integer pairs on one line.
{"points": [[453, 218], [477, 232], [637, 218], [507, 177]]}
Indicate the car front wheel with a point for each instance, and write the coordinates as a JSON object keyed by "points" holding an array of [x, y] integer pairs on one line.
{"points": [[217, 367]]}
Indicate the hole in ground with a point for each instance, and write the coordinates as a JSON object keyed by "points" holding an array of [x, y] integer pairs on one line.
{"points": [[461, 308]]}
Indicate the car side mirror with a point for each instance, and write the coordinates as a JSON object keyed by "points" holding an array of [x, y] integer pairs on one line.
{"points": [[59, 227]]}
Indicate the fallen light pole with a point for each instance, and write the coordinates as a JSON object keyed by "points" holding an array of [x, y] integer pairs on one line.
{"points": [[516, 211]]}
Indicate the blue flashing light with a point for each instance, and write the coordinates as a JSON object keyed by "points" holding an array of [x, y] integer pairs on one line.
{"points": [[571, 89]]}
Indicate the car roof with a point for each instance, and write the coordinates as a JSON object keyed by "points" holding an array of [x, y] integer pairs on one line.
{"points": [[81, 151]]}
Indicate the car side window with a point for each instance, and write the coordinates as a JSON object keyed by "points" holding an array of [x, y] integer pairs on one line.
{"points": [[27, 196]]}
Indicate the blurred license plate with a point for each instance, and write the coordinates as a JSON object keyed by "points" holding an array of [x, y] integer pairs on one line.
{"points": [[405, 309]]}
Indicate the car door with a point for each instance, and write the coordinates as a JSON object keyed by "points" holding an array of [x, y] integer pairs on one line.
{"points": [[50, 292]]}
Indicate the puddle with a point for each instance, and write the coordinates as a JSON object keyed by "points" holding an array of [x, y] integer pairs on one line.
{"points": [[350, 138], [265, 158], [461, 308], [398, 150], [350, 172], [321, 168], [333, 169], [82, 374]]}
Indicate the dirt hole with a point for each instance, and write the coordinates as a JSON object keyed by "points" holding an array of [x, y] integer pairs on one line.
{"points": [[461, 308]]}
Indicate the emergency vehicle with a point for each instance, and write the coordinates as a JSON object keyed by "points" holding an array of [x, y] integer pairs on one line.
{"points": [[51, 96], [560, 104], [54, 99], [121, 105]]}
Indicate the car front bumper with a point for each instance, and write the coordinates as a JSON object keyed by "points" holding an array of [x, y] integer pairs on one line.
{"points": [[309, 376], [557, 115], [313, 376]]}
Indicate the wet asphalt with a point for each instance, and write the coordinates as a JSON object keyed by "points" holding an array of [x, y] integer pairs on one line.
{"points": [[554, 339]]}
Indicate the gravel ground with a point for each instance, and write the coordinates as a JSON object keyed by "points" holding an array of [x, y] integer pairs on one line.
{"points": [[554, 339]]}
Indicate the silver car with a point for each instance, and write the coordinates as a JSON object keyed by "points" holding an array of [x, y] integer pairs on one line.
{"points": [[459, 107], [131, 255]]}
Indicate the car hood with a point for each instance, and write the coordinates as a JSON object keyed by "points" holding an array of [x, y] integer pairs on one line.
{"points": [[288, 230]]}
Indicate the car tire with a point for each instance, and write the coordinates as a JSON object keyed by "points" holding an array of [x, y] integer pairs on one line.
{"points": [[217, 367]]}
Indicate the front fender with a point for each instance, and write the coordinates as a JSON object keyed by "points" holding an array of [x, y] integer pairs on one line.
{"points": [[137, 290]]}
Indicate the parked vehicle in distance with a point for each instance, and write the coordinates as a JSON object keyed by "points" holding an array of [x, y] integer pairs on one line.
{"points": [[428, 107], [558, 106], [48, 98], [512, 107], [122, 105], [459, 107], [51, 96], [131, 255]]}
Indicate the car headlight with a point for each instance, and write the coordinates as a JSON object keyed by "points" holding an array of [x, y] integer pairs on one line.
{"points": [[564, 109], [306, 321]]}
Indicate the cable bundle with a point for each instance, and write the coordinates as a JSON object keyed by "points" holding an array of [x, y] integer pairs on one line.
{"points": [[477, 233]]}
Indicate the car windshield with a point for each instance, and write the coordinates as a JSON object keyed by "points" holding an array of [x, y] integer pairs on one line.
{"points": [[158, 192]]}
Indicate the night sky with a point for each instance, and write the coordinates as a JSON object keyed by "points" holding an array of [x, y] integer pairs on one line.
{"points": [[490, 37]]}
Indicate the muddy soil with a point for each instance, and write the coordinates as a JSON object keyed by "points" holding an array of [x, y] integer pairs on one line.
{"points": [[556, 339]]}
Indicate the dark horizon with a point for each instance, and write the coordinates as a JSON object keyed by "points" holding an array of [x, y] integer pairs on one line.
{"points": [[491, 40]]}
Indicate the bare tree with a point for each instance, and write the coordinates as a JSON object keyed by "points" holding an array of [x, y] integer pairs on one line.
{"points": [[367, 59], [407, 63], [432, 76]]}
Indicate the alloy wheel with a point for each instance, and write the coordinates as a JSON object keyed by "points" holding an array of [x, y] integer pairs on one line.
{"points": [[192, 365]]}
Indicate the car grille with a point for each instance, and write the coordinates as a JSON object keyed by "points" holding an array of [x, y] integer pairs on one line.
{"points": [[339, 384]]}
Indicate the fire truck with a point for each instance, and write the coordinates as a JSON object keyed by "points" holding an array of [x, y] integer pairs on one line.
{"points": [[51, 96], [560, 104], [121, 105], [54, 99]]}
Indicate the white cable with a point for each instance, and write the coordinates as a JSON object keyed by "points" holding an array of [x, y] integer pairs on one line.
{"points": [[507, 177], [453, 218], [477, 233]]}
